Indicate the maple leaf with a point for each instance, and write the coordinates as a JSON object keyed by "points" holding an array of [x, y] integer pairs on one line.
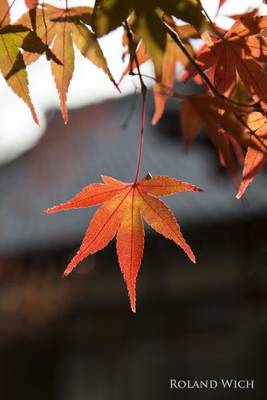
{"points": [[222, 122], [240, 50], [171, 57], [256, 157], [123, 208], [4, 13], [148, 25], [62, 28], [12, 65]]}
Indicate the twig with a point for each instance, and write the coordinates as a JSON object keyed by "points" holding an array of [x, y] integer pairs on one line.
{"points": [[210, 21], [144, 93], [169, 90], [126, 122]]}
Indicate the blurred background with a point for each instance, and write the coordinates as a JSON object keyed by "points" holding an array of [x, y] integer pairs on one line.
{"points": [[76, 338]]}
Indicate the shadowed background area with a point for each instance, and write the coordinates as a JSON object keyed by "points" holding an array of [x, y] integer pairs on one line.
{"points": [[76, 338]]}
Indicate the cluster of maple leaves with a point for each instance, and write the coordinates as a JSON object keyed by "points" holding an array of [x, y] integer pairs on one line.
{"points": [[229, 66]]}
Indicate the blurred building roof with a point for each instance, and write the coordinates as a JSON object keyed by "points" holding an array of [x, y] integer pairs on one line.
{"points": [[95, 143]]}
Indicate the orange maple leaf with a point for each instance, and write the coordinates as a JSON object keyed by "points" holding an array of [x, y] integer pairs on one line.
{"points": [[63, 28], [123, 208], [4, 13], [171, 57], [12, 66], [216, 116], [240, 50], [256, 155]]}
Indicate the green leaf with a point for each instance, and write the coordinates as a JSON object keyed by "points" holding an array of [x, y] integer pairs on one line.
{"points": [[109, 14], [150, 28], [13, 68], [187, 10]]}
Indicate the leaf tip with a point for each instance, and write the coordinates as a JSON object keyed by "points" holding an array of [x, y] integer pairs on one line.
{"points": [[132, 297], [155, 119], [49, 210], [190, 254], [34, 115], [239, 195], [194, 261], [197, 189], [67, 271], [241, 191], [133, 308]]}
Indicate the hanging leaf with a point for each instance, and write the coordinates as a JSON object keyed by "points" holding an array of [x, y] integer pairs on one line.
{"points": [[222, 123], [256, 157], [240, 51], [124, 206], [110, 14], [148, 24], [12, 65], [62, 29], [171, 57]]}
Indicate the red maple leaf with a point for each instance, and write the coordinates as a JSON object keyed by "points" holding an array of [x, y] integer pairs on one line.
{"points": [[241, 50], [123, 208], [256, 152]]}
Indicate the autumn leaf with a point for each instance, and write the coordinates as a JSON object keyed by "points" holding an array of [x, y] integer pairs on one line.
{"points": [[222, 121], [108, 14], [214, 113], [124, 206], [62, 29], [241, 50], [148, 25], [12, 65], [11, 61], [172, 56], [256, 157], [4, 13]]}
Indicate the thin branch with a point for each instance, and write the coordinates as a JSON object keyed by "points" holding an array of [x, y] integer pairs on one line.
{"points": [[210, 21], [134, 58], [128, 118], [169, 90]]}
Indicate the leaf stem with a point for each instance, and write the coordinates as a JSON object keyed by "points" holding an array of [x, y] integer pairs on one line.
{"points": [[134, 58], [169, 90]]}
